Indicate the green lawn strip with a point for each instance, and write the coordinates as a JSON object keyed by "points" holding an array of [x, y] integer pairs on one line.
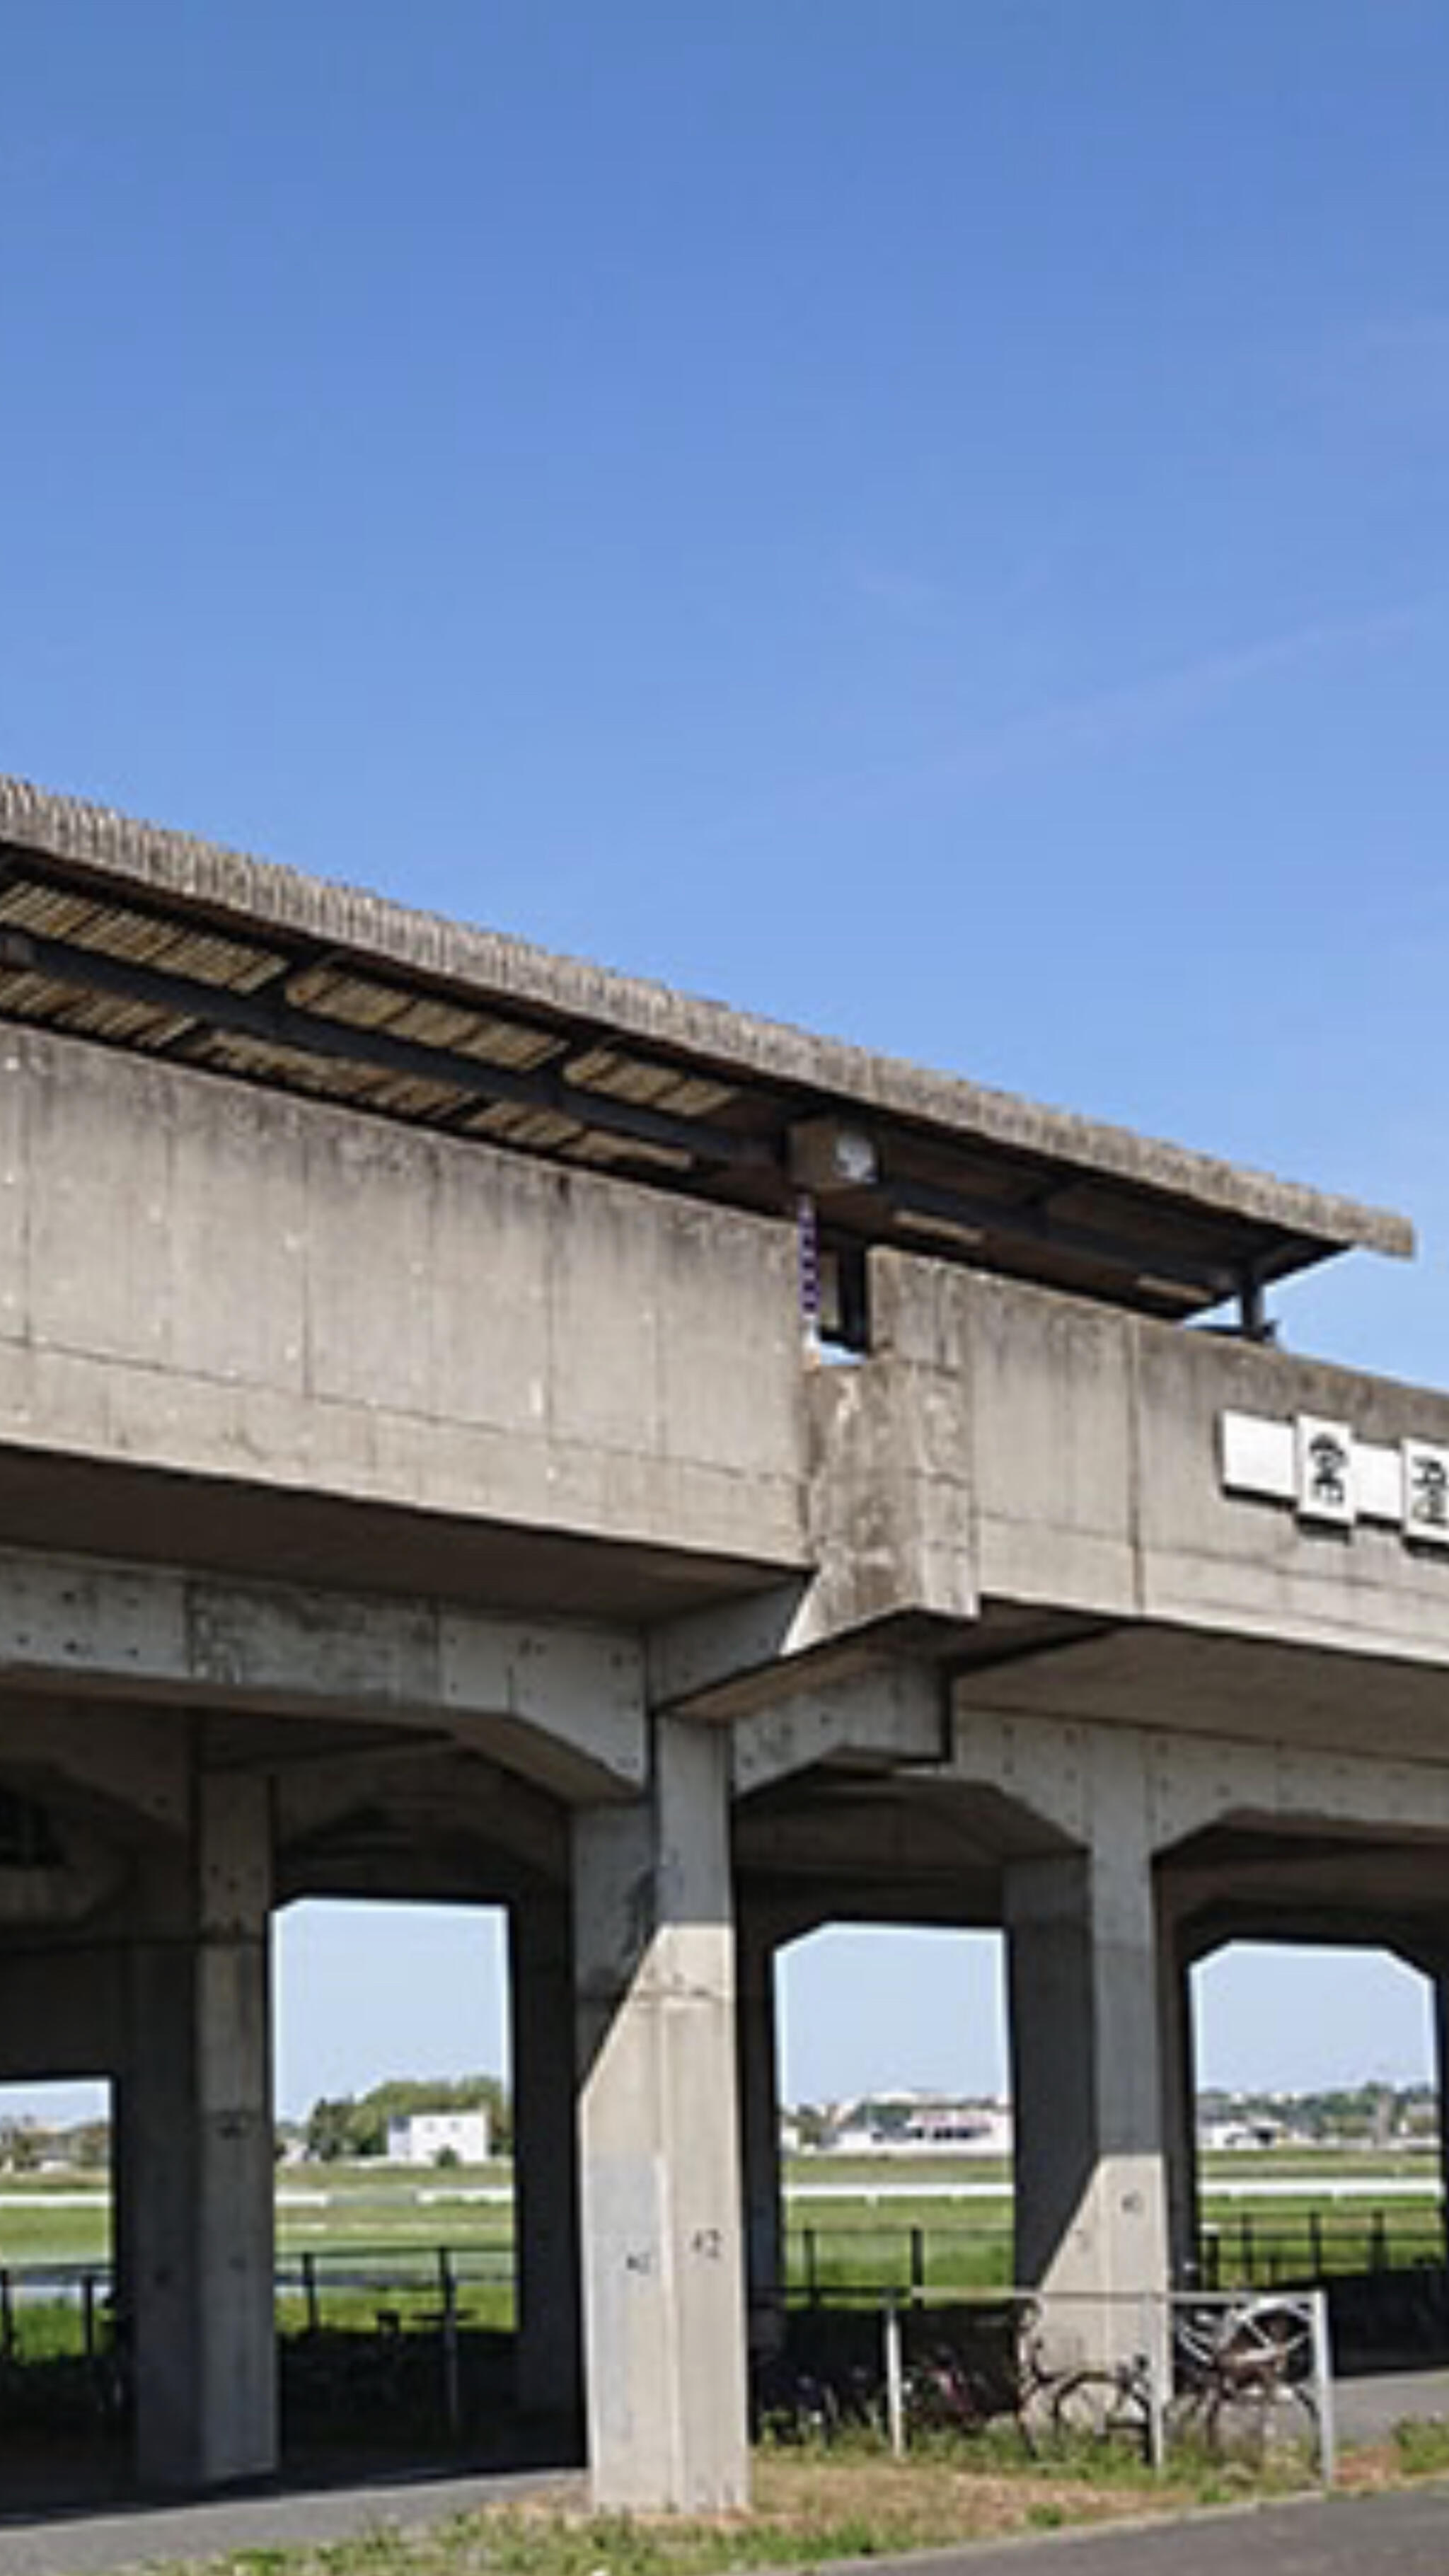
{"points": [[809, 2509], [864, 2238], [1422, 2446]]}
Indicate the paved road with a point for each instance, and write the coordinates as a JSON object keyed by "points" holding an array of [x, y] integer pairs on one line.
{"points": [[85, 2541], [1396, 2535], [1367, 2407]]}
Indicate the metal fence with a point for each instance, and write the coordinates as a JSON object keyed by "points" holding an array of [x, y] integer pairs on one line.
{"points": [[1229, 2373], [1243, 2250]]}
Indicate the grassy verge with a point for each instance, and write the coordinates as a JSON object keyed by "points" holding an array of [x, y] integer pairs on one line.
{"points": [[809, 2507]]}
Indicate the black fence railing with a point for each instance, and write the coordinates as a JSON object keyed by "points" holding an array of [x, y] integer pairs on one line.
{"points": [[47, 2308], [1244, 2250], [1249, 2251]]}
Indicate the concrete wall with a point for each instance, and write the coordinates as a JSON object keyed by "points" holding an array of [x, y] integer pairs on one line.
{"points": [[1088, 1440], [201, 1276]]}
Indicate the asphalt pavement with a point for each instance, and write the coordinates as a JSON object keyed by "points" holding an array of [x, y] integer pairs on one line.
{"points": [[84, 2540], [1389, 2535], [1406, 2534]]}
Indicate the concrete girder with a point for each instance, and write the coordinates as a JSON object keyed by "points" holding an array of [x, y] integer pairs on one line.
{"points": [[893, 1860], [62, 2009], [799, 1906], [1041, 1658], [1424, 1948], [890, 1713], [68, 1889], [722, 1661], [131, 1766], [1385, 1880], [1197, 1784], [778, 1911], [561, 1703], [1069, 1774], [432, 1781], [1306, 1927]]}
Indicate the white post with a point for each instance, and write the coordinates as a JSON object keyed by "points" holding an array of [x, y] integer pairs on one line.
{"points": [[894, 2379], [1323, 2387]]}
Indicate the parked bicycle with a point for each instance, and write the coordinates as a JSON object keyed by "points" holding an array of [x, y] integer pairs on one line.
{"points": [[1105, 2402], [1243, 2374]]}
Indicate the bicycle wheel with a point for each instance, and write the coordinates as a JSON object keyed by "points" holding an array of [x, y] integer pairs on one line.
{"points": [[1102, 2406], [1189, 2419], [1036, 2417], [1270, 2418]]}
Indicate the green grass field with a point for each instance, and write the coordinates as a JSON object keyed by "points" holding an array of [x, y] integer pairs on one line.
{"points": [[347, 2217]]}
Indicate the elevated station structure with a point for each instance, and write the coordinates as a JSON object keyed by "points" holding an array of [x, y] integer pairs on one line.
{"points": [[415, 1481]]}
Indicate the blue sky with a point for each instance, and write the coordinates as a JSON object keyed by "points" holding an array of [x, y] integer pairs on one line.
{"points": [[924, 518]]}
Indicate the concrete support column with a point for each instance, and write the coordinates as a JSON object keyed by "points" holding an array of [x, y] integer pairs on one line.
{"points": [[545, 2155], [760, 2130], [1091, 2218], [664, 2324], [1178, 2051], [196, 2166], [1437, 1971]]}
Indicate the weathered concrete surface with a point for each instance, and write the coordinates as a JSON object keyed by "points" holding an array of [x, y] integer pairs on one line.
{"points": [[387, 1513], [659, 2138], [1093, 1472], [195, 2217], [891, 1514], [1087, 2082], [557, 1697], [549, 2366], [519, 1344], [761, 2153], [62, 2010]]}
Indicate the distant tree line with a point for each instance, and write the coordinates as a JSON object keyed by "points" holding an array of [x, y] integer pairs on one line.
{"points": [[1373, 2113], [356, 2125], [26, 2145]]}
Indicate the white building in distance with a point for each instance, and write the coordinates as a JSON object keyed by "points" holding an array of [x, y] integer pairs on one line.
{"points": [[422, 2137]]}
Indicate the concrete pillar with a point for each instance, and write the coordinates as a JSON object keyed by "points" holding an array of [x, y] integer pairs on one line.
{"points": [[196, 2167], [1091, 2218], [548, 2376], [1178, 2054], [664, 2326], [1437, 1971], [760, 2131]]}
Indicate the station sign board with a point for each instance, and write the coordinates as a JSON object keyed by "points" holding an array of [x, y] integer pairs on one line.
{"points": [[1333, 1479]]}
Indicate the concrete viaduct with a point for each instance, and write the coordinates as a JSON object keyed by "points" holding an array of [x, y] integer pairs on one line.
{"points": [[415, 1480]]}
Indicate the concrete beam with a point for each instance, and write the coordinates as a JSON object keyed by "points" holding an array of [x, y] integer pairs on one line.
{"points": [[129, 1762], [597, 1399], [430, 1796], [1064, 1772], [62, 2011], [561, 1703], [889, 1713]]}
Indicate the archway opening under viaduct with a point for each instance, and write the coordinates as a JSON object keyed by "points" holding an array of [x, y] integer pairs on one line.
{"points": [[1315, 2154]]}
